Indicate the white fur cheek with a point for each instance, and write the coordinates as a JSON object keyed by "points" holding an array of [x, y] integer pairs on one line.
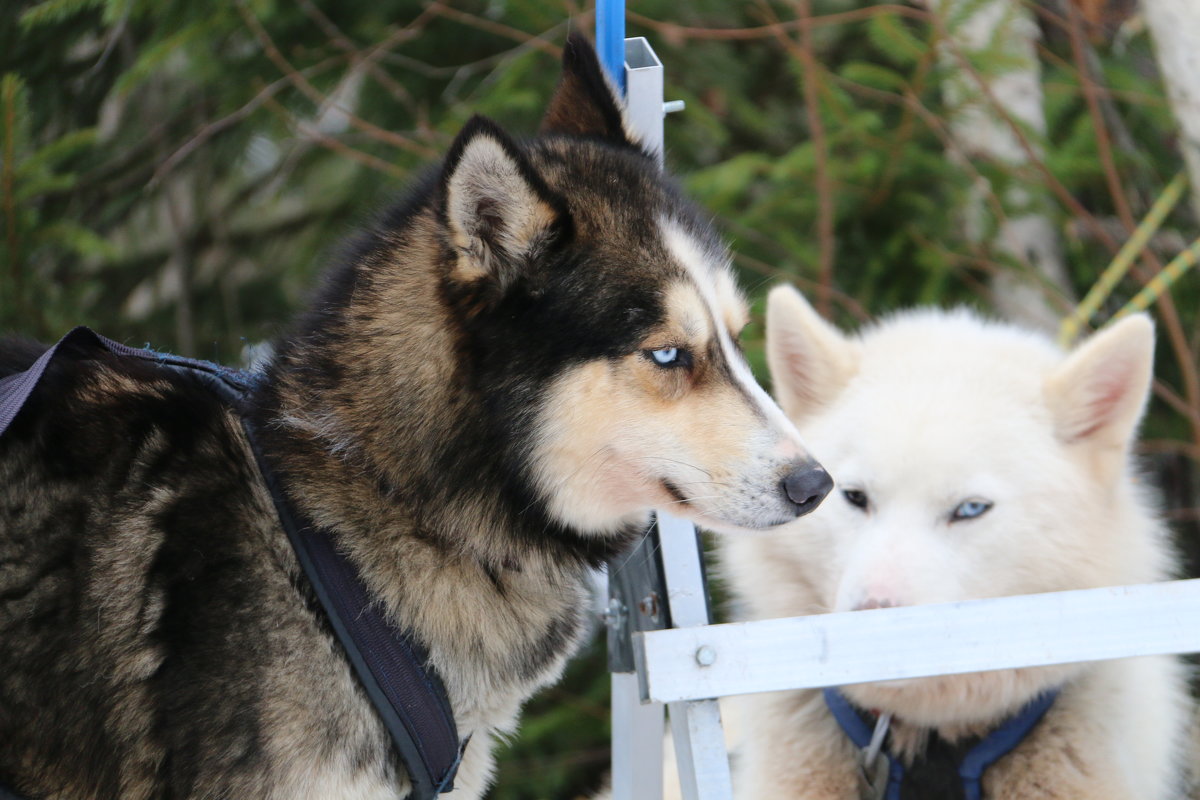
{"points": [[1030, 543], [783, 571], [580, 463]]}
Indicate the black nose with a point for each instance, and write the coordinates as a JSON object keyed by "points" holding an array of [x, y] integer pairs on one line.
{"points": [[806, 486]]}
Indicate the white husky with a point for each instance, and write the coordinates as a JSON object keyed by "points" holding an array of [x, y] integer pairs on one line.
{"points": [[972, 459]]}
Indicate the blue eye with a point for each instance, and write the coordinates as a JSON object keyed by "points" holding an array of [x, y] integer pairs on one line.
{"points": [[666, 356], [970, 509]]}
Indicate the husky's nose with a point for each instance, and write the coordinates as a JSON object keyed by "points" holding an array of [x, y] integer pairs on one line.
{"points": [[806, 486]]}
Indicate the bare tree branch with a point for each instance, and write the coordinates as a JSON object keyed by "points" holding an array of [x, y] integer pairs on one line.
{"points": [[806, 55], [677, 33], [320, 99]]}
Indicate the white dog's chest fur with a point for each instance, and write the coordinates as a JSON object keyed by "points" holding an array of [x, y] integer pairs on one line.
{"points": [[1113, 734]]}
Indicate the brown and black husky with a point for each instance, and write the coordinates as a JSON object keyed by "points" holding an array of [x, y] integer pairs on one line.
{"points": [[485, 400]]}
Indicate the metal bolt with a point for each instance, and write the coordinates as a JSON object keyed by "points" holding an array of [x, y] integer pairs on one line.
{"points": [[614, 615], [706, 656], [648, 605]]}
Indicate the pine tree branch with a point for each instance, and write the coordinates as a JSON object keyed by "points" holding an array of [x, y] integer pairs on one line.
{"points": [[805, 53], [1152, 266], [10, 206], [674, 32], [329, 142], [443, 9], [204, 134]]}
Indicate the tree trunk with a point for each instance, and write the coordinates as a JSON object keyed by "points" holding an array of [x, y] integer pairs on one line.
{"points": [[1175, 27], [983, 109]]}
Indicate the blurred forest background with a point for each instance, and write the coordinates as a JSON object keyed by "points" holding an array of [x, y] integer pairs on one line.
{"points": [[176, 173]]}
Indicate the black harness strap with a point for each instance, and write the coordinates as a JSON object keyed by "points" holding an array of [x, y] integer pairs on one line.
{"points": [[391, 665]]}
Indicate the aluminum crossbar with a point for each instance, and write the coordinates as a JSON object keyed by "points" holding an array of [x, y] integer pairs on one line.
{"points": [[895, 643]]}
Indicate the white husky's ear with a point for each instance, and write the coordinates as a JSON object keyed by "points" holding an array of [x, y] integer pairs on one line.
{"points": [[810, 360], [498, 211], [1098, 394]]}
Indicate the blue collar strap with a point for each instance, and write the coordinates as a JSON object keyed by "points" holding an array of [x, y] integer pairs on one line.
{"points": [[391, 665], [858, 727]]}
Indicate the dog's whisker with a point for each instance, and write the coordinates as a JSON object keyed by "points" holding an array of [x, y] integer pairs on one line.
{"points": [[675, 461]]}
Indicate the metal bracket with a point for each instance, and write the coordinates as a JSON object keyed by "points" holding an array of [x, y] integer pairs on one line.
{"points": [[637, 591]]}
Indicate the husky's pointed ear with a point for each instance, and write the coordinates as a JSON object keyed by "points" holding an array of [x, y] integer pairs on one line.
{"points": [[811, 361], [585, 103], [1097, 396], [498, 211]]}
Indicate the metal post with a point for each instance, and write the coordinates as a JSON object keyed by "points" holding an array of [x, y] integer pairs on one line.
{"points": [[637, 601], [637, 592], [661, 582], [644, 94], [700, 754], [635, 582]]}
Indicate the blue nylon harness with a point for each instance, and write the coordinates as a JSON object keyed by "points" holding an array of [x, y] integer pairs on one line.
{"points": [[391, 665], [977, 760]]}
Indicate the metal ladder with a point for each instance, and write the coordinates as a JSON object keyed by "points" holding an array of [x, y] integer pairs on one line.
{"points": [[661, 583]]}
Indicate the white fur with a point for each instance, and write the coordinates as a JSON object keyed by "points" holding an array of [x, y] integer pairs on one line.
{"points": [[921, 413], [710, 273]]}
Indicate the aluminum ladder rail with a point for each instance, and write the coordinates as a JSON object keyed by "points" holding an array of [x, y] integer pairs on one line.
{"points": [[660, 584]]}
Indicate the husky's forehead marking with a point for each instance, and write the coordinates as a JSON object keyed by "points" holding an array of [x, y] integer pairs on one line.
{"points": [[726, 313], [704, 267]]}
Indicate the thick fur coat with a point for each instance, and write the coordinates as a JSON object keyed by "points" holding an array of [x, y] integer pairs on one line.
{"points": [[972, 459], [483, 403]]}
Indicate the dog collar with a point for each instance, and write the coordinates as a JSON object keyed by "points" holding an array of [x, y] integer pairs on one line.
{"points": [[392, 667], [859, 727]]}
